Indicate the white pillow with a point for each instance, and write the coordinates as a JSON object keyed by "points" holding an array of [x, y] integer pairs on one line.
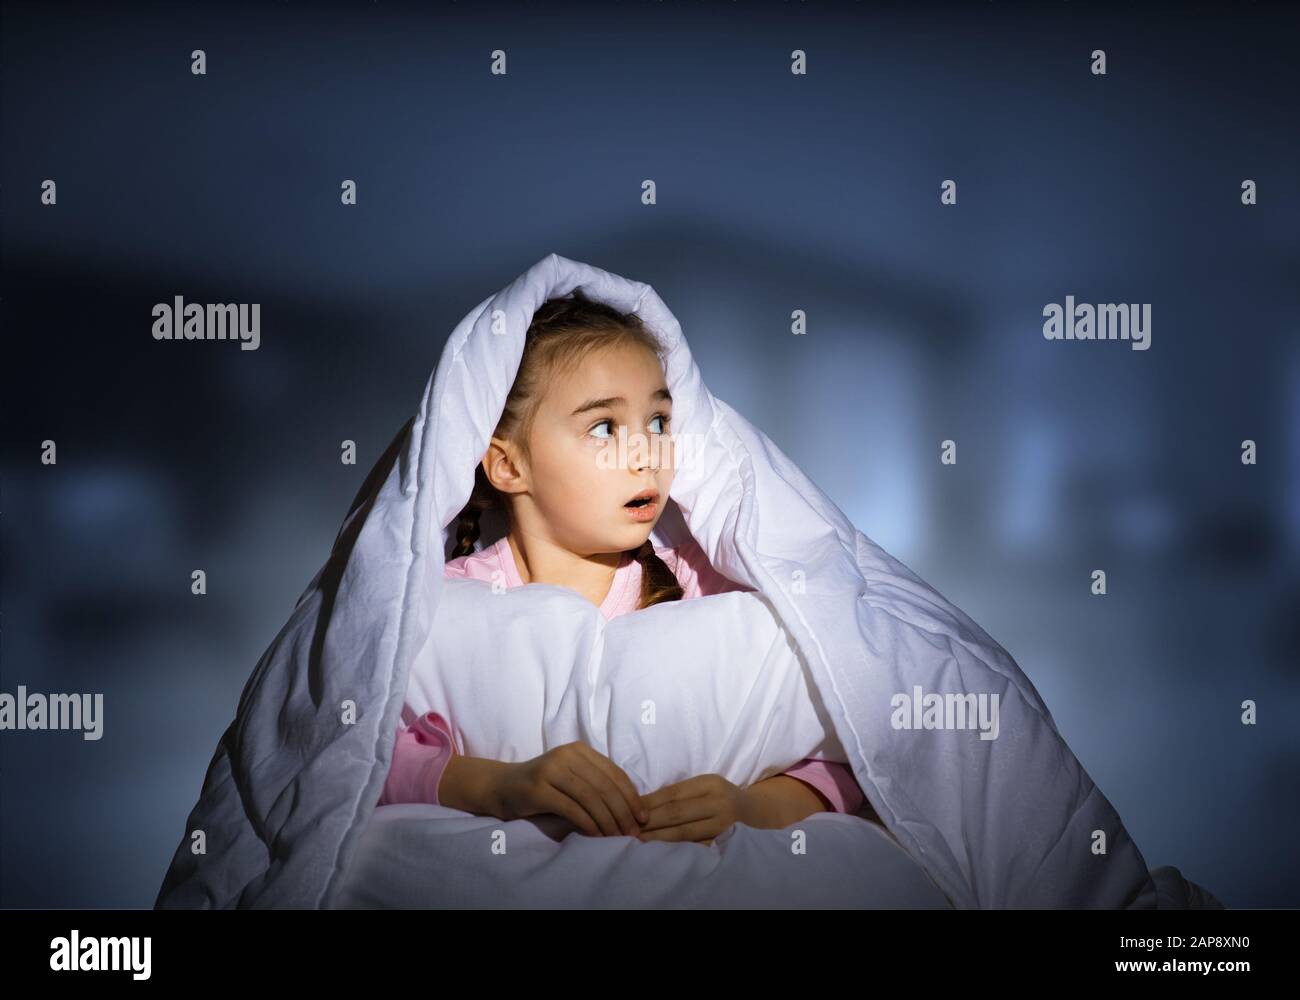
{"points": [[711, 685]]}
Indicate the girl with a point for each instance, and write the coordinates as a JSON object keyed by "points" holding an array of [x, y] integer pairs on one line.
{"points": [[578, 519]]}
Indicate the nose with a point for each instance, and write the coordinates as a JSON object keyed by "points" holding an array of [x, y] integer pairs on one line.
{"points": [[647, 457], [640, 454]]}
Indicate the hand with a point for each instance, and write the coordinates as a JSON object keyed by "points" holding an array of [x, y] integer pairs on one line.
{"points": [[696, 809], [576, 782]]}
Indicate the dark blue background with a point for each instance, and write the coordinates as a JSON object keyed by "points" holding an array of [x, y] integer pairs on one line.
{"points": [[775, 192]]}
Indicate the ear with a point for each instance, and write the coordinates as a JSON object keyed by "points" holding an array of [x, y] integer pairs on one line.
{"points": [[504, 466]]}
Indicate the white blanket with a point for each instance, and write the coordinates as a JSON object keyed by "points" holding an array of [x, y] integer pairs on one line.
{"points": [[1011, 821], [414, 856], [713, 685]]}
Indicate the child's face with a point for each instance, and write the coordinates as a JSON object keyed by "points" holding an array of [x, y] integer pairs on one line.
{"points": [[579, 479]]}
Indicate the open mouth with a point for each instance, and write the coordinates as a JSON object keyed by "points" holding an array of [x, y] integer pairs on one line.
{"points": [[643, 506], [645, 498]]}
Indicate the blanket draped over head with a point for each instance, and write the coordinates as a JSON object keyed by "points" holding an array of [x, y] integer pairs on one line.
{"points": [[1008, 822]]}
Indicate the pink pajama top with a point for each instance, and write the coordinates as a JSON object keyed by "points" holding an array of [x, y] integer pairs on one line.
{"points": [[423, 748]]}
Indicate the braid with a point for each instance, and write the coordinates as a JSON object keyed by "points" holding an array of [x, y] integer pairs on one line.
{"points": [[482, 497], [657, 581], [467, 532]]}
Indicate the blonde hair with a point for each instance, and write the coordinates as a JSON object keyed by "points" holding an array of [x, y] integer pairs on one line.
{"points": [[563, 332]]}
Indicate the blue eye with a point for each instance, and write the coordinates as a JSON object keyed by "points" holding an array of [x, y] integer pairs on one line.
{"points": [[600, 437], [664, 418]]}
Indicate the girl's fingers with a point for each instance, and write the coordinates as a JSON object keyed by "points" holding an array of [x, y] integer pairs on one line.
{"points": [[681, 811], [559, 803], [688, 831], [630, 795], [609, 793], [578, 787], [687, 789]]}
